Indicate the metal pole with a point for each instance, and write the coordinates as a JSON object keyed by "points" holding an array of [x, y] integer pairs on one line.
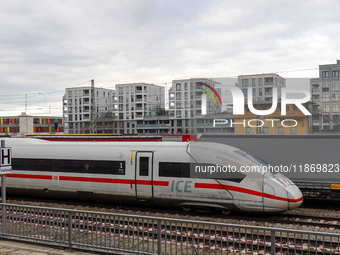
{"points": [[272, 241], [69, 231], [159, 237], [3, 195]]}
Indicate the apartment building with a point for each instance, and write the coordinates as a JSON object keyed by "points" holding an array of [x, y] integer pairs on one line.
{"points": [[325, 98], [19, 126], [137, 101], [77, 106], [262, 86], [187, 98]]}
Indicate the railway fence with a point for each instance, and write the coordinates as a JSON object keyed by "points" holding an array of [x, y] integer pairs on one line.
{"points": [[133, 234]]}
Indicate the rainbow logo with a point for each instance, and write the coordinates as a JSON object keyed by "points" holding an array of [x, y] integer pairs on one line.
{"points": [[204, 101], [209, 93]]}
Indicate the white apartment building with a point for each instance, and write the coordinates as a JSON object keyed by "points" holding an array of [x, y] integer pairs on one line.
{"points": [[77, 106], [185, 103], [262, 86], [135, 102], [325, 98]]}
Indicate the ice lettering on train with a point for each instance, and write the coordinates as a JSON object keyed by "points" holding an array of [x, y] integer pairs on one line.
{"points": [[181, 186]]}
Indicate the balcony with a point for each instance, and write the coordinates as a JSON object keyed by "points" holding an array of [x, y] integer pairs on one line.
{"points": [[268, 83], [150, 125], [268, 93], [139, 108], [315, 90], [139, 99], [138, 91]]}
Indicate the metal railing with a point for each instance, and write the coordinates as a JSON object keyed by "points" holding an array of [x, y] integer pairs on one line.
{"points": [[107, 232]]}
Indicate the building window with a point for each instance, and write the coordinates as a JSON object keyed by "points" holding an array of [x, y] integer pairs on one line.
{"points": [[325, 107], [335, 108], [265, 130], [254, 92], [335, 87], [325, 98], [186, 86], [178, 87], [287, 108], [335, 74], [245, 83], [260, 81], [268, 91], [260, 91], [253, 82], [178, 96], [280, 130], [325, 74], [293, 130], [248, 130], [294, 108], [335, 97], [245, 92], [269, 81], [325, 87]]}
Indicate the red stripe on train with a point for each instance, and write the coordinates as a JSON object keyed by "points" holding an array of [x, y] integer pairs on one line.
{"points": [[30, 176], [243, 190], [89, 179], [155, 183]]}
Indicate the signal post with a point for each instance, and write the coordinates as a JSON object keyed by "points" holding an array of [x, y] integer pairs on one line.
{"points": [[5, 167]]}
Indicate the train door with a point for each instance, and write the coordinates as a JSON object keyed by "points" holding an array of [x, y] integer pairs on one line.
{"points": [[143, 175]]}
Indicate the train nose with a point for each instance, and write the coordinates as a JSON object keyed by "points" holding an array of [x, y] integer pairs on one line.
{"points": [[295, 197]]}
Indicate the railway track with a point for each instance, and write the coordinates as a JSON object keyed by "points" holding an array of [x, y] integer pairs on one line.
{"points": [[288, 219]]}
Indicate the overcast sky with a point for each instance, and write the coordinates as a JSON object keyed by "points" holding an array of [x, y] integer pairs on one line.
{"points": [[47, 46]]}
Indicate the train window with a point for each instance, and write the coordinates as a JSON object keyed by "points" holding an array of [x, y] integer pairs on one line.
{"points": [[171, 169], [74, 166], [144, 166], [21, 164], [41, 164], [251, 158], [108, 167]]}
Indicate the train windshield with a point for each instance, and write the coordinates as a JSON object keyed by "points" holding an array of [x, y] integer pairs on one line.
{"points": [[252, 158]]}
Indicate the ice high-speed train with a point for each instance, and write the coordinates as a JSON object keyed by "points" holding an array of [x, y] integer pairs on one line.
{"points": [[154, 172]]}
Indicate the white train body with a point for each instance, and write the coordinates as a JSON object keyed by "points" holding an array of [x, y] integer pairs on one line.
{"points": [[152, 172]]}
